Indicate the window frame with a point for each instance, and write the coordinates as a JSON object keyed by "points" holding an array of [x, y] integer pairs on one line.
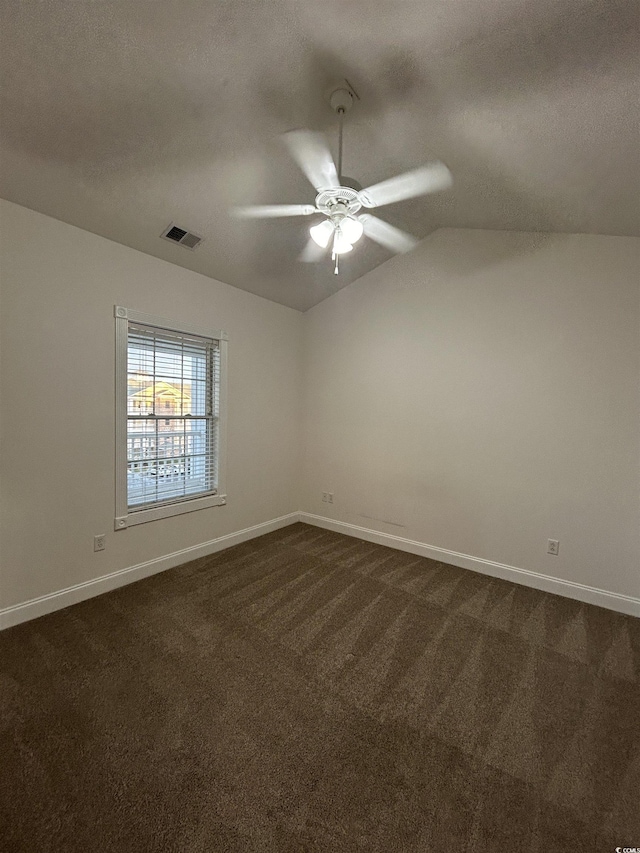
{"points": [[125, 516]]}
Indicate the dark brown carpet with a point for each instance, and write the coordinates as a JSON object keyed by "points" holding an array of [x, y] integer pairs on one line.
{"points": [[311, 692]]}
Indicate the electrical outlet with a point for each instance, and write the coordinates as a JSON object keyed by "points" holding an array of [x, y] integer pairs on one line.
{"points": [[325, 497], [330, 497], [553, 546], [99, 543]]}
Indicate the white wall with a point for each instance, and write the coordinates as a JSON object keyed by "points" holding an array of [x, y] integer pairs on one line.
{"points": [[58, 286], [481, 395]]}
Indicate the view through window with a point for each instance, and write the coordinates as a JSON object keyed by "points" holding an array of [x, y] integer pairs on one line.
{"points": [[172, 416]]}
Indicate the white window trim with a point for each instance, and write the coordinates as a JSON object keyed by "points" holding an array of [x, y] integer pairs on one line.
{"points": [[124, 516]]}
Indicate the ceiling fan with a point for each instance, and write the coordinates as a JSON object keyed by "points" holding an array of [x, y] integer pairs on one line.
{"points": [[341, 199]]}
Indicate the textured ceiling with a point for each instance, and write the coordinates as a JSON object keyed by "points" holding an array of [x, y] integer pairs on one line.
{"points": [[121, 117]]}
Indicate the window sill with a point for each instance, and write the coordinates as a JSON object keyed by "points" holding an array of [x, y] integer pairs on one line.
{"points": [[141, 516]]}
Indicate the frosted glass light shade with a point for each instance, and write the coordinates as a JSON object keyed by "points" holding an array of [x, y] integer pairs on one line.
{"points": [[322, 233], [352, 229], [341, 245]]}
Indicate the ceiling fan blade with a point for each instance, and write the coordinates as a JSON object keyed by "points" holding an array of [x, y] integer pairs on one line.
{"points": [[425, 179], [312, 252], [268, 211], [387, 235], [311, 153]]}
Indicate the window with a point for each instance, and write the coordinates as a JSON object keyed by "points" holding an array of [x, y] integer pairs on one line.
{"points": [[170, 406]]}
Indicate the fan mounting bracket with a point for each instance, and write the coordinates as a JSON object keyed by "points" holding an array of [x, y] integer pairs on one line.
{"points": [[341, 94], [341, 101]]}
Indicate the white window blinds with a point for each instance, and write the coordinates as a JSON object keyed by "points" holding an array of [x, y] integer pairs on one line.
{"points": [[173, 419], [173, 384]]}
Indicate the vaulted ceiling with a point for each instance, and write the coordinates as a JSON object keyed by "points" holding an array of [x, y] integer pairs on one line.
{"points": [[121, 117]]}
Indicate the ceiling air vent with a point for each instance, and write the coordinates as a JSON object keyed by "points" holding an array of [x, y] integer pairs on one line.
{"points": [[180, 235]]}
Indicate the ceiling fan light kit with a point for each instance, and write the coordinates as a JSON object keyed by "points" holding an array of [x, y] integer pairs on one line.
{"points": [[341, 199], [352, 228], [322, 233], [340, 244]]}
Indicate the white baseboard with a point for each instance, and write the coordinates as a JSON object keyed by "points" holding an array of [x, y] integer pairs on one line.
{"points": [[591, 595], [80, 592]]}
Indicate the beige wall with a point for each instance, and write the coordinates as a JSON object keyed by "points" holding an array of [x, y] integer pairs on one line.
{"points": [[58, 286], [481, 395]]}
